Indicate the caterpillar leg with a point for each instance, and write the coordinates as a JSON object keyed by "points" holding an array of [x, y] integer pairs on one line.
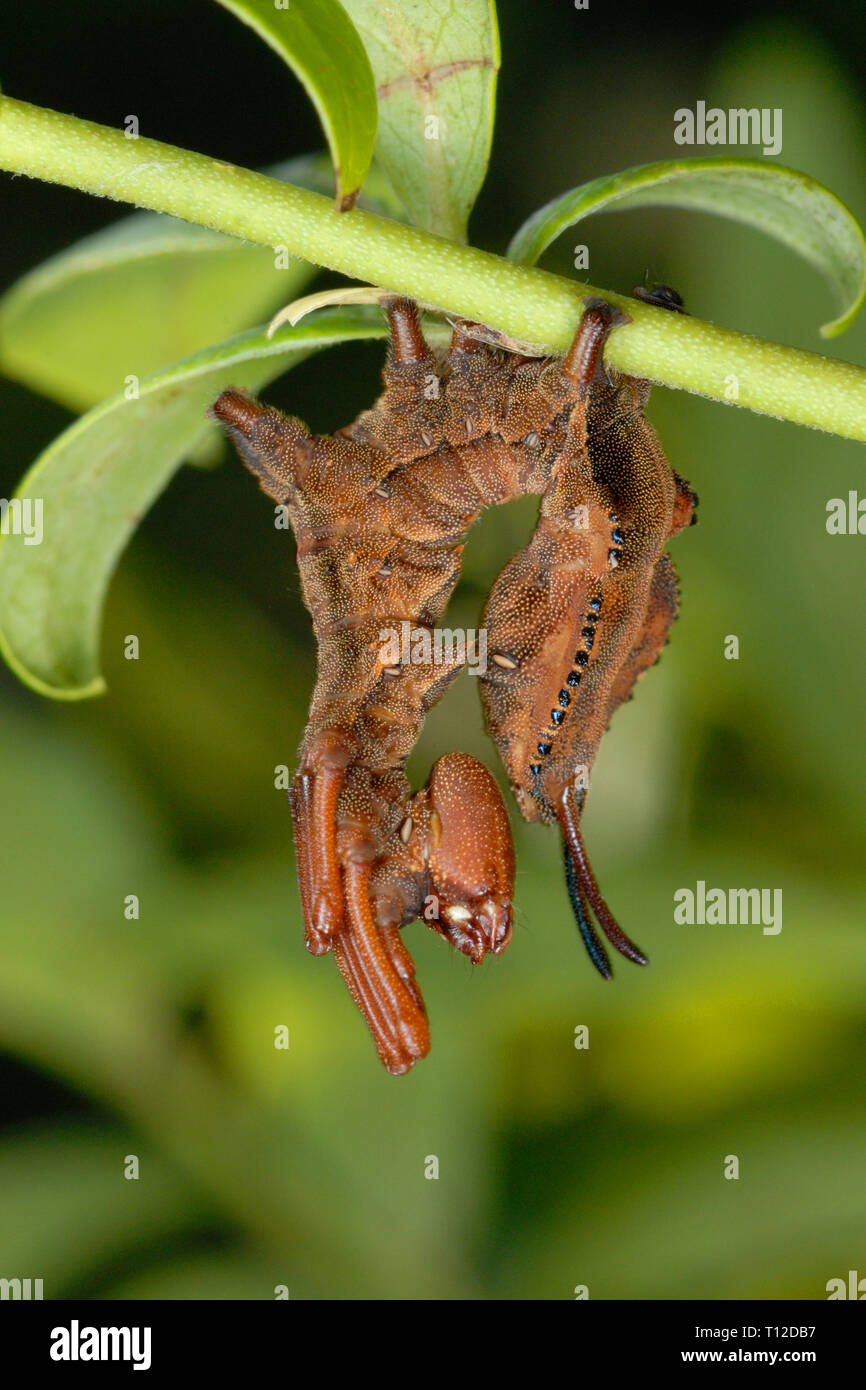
{"points": [[411, 392]]}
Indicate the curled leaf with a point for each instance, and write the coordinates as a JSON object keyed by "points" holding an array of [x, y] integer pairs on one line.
{"points": [[324, 299], [792, 207]]}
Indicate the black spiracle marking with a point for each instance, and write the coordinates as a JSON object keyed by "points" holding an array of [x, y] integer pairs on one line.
{"points": [[573, 679], [617, 535]]}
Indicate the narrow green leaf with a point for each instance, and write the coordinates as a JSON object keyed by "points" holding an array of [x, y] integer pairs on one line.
{"points": [[99, 477], [148, 290], [787, 205], [322, 47], [124, 302], [435, 64]]}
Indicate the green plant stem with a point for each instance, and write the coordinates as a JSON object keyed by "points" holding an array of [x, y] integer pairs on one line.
{"points": [[526, 304]]}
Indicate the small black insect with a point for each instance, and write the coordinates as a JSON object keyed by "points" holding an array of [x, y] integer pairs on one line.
{"points": [[661, 295]]}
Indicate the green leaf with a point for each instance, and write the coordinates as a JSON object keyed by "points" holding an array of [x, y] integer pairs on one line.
{"points": [[149, 290], [146, 291], [792, 207], [322, 47], [99, 477], [435, 64]]}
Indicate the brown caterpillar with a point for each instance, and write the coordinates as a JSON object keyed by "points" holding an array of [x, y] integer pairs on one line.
{"points": [[380, 511]]}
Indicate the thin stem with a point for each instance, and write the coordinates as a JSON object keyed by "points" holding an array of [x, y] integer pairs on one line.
{"points": [[526, 304]]}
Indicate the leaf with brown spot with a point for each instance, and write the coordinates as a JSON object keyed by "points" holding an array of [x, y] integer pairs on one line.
{"points": [[435, 64]]}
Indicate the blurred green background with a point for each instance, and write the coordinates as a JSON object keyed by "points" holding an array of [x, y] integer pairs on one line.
{"points": [[557, 1166]]}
